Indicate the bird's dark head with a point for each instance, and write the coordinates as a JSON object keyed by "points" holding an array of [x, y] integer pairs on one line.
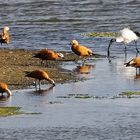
{"points": [[112, 40], [137, 33], [110, 43]]}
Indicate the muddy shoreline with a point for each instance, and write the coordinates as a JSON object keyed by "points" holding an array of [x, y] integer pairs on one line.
{"points": [[15, 61]]}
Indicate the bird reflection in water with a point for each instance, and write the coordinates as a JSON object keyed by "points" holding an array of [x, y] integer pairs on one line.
{"points": [[137, 76], [3, 97], [83, 71], [5, 100], [43, 91]]}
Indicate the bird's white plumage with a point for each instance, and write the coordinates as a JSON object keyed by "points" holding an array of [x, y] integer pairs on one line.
{"points": [[6, 28], [61, 55], [126, 35], [131, 62], [119, 39]]}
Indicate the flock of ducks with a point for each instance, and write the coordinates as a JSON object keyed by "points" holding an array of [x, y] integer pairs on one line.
{"points": [[125, 36]]}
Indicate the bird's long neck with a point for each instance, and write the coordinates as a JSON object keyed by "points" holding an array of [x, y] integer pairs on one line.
{"points": [[108, 49], [9, 92], [110, 43], [130, 63]]}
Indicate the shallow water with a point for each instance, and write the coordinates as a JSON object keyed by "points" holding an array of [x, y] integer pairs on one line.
{"points": [[52, 24], [104, 117]]}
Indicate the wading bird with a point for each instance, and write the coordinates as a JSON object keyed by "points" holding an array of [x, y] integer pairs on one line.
{"points": [[125, 36], [135, 62], [4, 88], [46, 54], [4, 37], [80, 50], [39, 75]]}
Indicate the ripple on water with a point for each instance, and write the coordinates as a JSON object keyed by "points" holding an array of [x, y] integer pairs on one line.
{"points": [[82, 133]]}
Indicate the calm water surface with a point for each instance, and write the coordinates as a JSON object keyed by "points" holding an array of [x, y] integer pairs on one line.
{"points": [[52, 24]]}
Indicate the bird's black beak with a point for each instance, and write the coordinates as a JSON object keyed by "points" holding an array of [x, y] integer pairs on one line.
{"points": [[110, 43]]}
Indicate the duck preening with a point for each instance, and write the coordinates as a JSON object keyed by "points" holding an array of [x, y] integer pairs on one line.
{"points": [[125, 36], [39, 75]]}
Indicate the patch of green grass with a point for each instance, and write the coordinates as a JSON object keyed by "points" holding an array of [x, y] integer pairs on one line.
{"points": [[9, 111], [129, 93], [100, 34]]}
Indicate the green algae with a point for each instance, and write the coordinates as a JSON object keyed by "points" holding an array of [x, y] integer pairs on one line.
{"points": [[10, 111], [129, 93], [80, 96], [13, 110], [101, 34]]}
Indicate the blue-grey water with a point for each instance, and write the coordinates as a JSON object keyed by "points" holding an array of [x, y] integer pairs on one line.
{"points": [[53, 24]]}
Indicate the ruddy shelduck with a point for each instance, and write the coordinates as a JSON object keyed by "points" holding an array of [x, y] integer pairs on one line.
{"points": [[46, 54], [4, 37], [135, 62], [80, 50], [4, 88], [39, 75]]}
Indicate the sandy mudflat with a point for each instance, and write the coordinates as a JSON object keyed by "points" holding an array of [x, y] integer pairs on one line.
{"points": [[13, 63]]}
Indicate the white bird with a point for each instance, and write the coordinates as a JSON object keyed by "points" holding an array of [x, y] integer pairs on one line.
{"points": [[125, 36]]}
